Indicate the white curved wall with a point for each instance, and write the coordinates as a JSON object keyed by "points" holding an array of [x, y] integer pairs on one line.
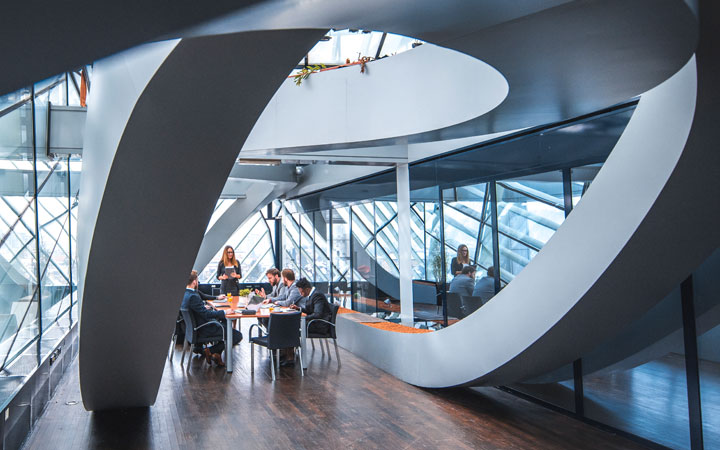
{"points": [[118, 82], [426, 88], [566, 300]]}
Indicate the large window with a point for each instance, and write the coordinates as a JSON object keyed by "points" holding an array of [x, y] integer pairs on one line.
{"points": [[38, 212]]}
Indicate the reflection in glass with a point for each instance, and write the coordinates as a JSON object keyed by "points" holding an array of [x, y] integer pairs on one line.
{"points": [[709, 365], [291, 242], [75, 175], [307, 234], [18, 279], [53, 220], [341, 254], [363, 258], [529, 213], [581, 178]]}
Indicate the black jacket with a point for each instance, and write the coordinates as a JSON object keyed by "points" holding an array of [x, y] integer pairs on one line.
{"points": [[317, 307], [231, 285], [192, 302]]}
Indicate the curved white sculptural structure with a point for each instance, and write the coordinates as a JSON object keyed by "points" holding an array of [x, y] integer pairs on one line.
{"points": [[165, 142]]}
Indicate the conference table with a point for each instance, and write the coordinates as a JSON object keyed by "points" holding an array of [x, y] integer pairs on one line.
{"points": [[234, 312]]}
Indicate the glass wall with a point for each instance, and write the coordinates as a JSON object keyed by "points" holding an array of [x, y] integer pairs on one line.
{"points": [[254, 250], [364, 292], [341, 255], [38, 200], [478, 199]]}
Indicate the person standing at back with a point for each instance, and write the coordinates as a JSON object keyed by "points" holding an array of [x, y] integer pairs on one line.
{"points": [[460, 261], [229, 272]]}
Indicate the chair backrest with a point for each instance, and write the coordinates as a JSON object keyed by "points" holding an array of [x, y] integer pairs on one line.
{"points": [[424, 292], [471, 304], [454, 305], [334, 307], [284, 330], [189, 325]]}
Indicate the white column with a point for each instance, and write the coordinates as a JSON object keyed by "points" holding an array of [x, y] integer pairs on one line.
{"points": [[405, 243]]}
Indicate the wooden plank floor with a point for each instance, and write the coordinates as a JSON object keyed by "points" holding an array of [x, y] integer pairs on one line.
{"points": [[352, 406]]}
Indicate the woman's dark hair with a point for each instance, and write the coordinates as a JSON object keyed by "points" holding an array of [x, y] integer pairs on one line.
{"points": [[303, 283]]}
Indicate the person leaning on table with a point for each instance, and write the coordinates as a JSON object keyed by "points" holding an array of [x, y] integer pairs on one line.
{"points": [[285, 297], [464, 283], [193, 303], [180, 325], [290, 296], [316, 307]]}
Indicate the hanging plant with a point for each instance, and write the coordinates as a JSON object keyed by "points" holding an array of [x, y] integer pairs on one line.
{"points": [[305, 72]]}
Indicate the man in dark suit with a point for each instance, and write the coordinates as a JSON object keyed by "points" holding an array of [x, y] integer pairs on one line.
{"points": [[316, 307], [464, 283], [180, 324], [196, 306]]}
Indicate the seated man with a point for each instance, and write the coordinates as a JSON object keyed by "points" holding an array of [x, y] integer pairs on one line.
{"points": [[291, 296], [180, 325], [485, 287], [205, 297], [279, 288], [316, 306], [193, 303], [464, 282]]}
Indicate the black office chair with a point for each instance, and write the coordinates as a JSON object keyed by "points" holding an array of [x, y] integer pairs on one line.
{"points": [[331, 332], [179, 331], [471, 304], [454, 305], [191, 335], [283, 332]]}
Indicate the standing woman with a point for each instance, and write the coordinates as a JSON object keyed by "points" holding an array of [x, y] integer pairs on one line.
{"points": [[229, 272], [461, 260]]}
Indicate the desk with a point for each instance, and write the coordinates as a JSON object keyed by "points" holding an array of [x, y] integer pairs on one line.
{"points": [[232, 305]]}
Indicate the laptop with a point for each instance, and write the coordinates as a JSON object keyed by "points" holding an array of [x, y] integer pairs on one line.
{"points": [[254, 302]]}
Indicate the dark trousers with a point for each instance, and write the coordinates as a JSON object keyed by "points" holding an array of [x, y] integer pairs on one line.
{"points": [[214, 330]]}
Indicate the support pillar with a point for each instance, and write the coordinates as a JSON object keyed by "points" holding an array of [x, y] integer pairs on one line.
{"points": [[405, 243]]}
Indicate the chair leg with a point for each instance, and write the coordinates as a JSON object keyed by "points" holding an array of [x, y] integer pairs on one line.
{"points": [[277, 359], [272, 366], [322, 349], [337, 352], [313, 343], [302, 372], [182, 357], [173, 343], [327, 344], [252, 358]]}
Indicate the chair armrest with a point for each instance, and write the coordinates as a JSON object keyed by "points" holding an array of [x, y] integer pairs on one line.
{"points": [[260, 330], [208, 323], [319, 320]]}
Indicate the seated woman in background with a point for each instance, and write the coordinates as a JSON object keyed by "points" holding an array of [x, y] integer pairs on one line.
{"points": [[229, 272], [461, 260]]}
